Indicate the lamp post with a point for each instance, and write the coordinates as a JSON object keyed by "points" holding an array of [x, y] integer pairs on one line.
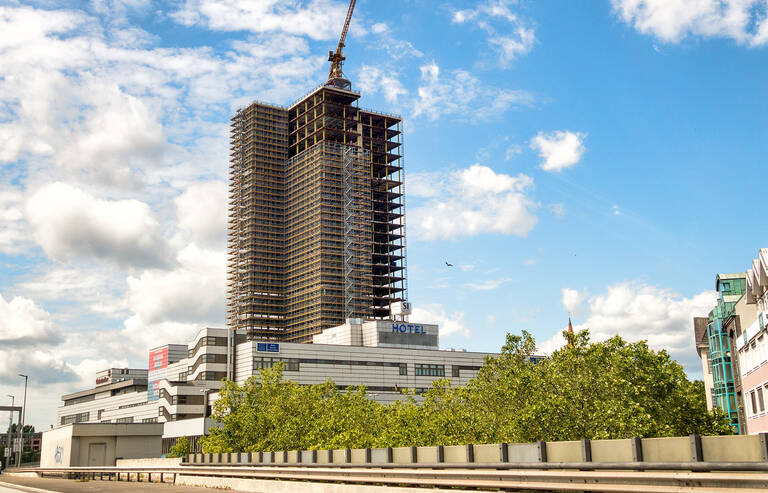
{"points": [[23, 414], [9, 453]]}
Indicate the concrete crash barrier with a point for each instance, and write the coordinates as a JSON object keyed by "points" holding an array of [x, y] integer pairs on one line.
{"points": [[694, 448]]}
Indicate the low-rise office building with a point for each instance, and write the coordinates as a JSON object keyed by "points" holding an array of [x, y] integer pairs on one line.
{"points": [[752, 346], [388, 357]]}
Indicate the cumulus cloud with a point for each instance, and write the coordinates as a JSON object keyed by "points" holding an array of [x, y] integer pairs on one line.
{"points": [[202, 213], [69, 222], [463, 96], [745, 21], [572, 299], [471, 201], [171, 305], [638, 311], [559, 150], [450, 323], [508, 35], [318, 19], [104, 111], [374, 79], [22, 322], [13, 228]]}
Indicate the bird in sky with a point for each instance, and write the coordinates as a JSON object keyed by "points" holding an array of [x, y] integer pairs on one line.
{"points": [[447, 264]]}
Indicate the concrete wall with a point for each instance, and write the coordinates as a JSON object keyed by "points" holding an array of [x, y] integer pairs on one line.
{"points": [[56, 450], [737, 448]]}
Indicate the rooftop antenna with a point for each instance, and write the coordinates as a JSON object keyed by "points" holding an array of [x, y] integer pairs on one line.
{"points": [[335, 75]]}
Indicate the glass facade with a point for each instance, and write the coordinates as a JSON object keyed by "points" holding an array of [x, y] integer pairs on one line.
{"points": [[720, 351]]}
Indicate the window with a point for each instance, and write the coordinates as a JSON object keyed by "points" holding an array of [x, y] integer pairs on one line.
{"points": [[403, 369], [101, 411], [760, 319], [726, 286], [455, 371], [149, 420], [760, 399], [754, 402], [75, 418], [425, 370], [129, 419]]}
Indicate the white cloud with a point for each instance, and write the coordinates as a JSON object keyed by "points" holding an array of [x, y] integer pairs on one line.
{"points": [[170, 306], [560, 149], [489, 284], [638, 311], [68, 223], [22, 322], [13, 229], [509, 37], [372, 79], [318, 19], [472, 201], [745, 21], [101, 111], [572, 299], [202, 213], [379, 28], [463, 95], [450, 323]]}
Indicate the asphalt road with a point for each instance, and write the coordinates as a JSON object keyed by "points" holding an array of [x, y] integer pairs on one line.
{"points": [[11, 484]]}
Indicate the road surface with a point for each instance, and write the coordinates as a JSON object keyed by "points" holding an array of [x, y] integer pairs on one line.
{"points": [[12, 484]]}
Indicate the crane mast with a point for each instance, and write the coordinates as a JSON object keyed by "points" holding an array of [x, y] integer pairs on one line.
{"points": [[335, 75]]}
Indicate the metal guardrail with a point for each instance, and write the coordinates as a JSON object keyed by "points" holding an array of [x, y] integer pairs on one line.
{"points": [[644, 477]]}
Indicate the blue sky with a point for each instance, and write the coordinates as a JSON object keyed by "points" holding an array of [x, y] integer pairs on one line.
{"points": [[603, 158]]}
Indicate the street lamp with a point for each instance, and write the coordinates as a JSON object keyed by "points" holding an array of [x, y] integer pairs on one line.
{"points": [[9, 453], [23, 414]]}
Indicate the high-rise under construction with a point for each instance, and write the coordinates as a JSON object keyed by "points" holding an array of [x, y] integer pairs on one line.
{"points": [[316, 215]]}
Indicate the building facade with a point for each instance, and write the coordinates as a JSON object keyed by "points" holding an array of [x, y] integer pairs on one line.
{"points": [[316, 216], [752, 345], [388, 357], [722, 363]]}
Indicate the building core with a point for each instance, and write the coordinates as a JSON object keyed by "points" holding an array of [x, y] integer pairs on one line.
{"points": [[316, 216]]}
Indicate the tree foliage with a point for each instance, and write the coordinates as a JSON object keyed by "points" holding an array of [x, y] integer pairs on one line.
{"points": [[181, 449], [602, 390]]}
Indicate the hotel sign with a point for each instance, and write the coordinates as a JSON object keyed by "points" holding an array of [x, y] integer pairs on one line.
{"points": [[403, 328]]}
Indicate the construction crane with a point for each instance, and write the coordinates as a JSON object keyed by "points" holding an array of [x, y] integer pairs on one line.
{"points": [[337, 58]]}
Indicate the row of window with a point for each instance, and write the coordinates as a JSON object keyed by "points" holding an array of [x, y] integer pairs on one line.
{"points": [[757, 401], [420, 370], [75, 418]]}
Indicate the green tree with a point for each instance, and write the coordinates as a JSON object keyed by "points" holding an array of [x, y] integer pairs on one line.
{"points": [[608, 389], [181, 449]]}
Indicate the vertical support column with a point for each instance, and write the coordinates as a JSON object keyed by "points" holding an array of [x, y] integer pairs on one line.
{"points": [[696, 451], [504, 452], [543, 451], [637, 449], [586, 450]]}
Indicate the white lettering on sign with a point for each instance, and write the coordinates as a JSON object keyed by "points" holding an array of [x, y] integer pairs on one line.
{"points": [[408, 328]]}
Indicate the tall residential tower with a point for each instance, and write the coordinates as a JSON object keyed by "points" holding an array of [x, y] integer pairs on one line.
{"points": [[316, 215]]}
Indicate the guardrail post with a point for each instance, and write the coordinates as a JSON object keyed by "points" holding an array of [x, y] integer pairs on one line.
{"points": [[503, 452], [272, 456], [330, 456], [470, 453], [348, 456], [637, 449], [390, 455], [696, 452], [586, 450], [543, 451], [285, 456], [414, 454], [763, 445], [314, 456], [368, 455], [298, 456], [440, 454]]}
